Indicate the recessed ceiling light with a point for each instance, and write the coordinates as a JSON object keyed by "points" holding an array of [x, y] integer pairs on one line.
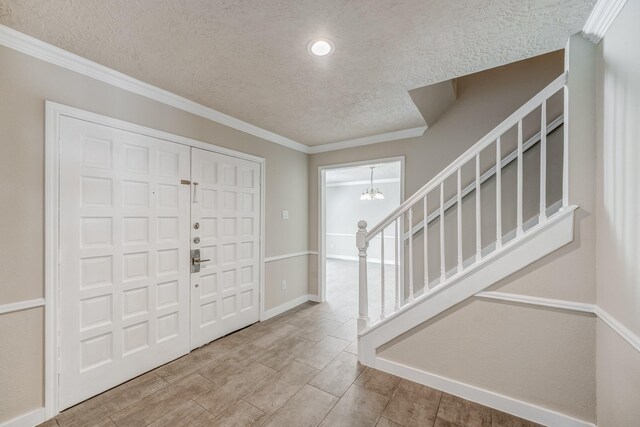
{"points": [[321, 47]]}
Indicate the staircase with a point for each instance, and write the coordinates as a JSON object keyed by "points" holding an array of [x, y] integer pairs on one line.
{"points": [[471, 225]]}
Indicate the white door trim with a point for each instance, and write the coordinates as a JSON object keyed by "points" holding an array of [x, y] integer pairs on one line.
{"points": [[53, 113], [322, 171]]}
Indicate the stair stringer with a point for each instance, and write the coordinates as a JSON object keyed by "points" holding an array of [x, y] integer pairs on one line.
{"points": [[534, 244]]}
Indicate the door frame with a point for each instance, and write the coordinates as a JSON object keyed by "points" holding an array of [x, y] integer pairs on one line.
{"points": [[322, 177], [53, 112]]}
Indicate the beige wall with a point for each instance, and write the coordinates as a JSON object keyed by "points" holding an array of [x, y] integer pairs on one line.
{"points": [[25, 83], [295, 271], [484, 100], [618, 248], [21, 362], [542, 356]]}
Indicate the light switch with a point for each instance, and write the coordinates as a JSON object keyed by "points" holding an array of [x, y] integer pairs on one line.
{"points": [[285, 214]]}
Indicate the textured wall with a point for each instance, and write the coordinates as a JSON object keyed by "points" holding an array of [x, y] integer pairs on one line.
{"points": [[25, 83], [618, 240]]}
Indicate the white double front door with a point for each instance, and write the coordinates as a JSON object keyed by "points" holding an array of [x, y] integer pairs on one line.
{"points": [[133, 211]]}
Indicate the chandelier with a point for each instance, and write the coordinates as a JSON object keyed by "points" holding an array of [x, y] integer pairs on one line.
{"points": [[370, 193]]}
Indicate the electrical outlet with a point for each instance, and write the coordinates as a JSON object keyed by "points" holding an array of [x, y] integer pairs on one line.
{"points": [[285, 214], [284, 285]]}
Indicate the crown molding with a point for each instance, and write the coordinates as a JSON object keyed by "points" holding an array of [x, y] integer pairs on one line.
{"points": [[601, 18], [38, 49], [31, 46], [368, 140]]}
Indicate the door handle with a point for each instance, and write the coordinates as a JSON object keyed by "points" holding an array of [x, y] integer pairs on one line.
{"points": [[196, 261]]}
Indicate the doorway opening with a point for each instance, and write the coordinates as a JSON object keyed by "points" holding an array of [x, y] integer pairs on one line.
{"points": [[351, 192]]}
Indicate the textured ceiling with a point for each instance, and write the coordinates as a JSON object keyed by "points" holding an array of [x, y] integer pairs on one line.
{"points": [[248, 58]]}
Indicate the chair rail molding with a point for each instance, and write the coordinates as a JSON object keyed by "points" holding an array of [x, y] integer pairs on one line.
{"points": [[624, 332], [601, 18], [21, 305], [289, 255]]}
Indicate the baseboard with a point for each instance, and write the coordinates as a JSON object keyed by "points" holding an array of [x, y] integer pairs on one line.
{"points": [[519, 408], [29, 419], [315, 298], [272, 312]]}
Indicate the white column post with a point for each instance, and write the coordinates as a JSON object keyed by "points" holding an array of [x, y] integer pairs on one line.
{"points": [[363, 300]]}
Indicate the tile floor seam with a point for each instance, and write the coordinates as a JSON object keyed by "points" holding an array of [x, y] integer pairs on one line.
{"points": [[167, 384], [268, 415], [249, 403], [330, 409], [203, 408], [435, 419], [388, 403]]}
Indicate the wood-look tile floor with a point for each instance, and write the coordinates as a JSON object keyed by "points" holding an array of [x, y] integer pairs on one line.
{"points": [[297, 369]]}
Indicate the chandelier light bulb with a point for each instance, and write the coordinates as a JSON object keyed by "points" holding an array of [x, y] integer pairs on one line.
{"points": [[371, 193]]}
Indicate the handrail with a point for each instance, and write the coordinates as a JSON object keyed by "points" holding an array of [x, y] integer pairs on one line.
{"points": [[557, 122], [507, 124]]}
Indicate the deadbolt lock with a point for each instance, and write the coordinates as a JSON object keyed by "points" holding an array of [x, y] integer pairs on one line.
{"points": [[196, 225]]}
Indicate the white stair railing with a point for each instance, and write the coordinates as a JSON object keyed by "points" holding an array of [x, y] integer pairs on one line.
{"points": [[401, 220]]}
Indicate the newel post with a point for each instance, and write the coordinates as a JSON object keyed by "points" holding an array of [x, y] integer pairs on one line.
{"points": [[362, 244]]}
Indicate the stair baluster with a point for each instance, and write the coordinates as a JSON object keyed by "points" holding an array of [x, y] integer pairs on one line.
{"points": [[382, 274], [425, 236], [363, 300], [543, 163], [411, 255], [459, 212], [478, 212], [443, 273], [404, 212], [397, 264], [519, 189], [498, 194]]}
